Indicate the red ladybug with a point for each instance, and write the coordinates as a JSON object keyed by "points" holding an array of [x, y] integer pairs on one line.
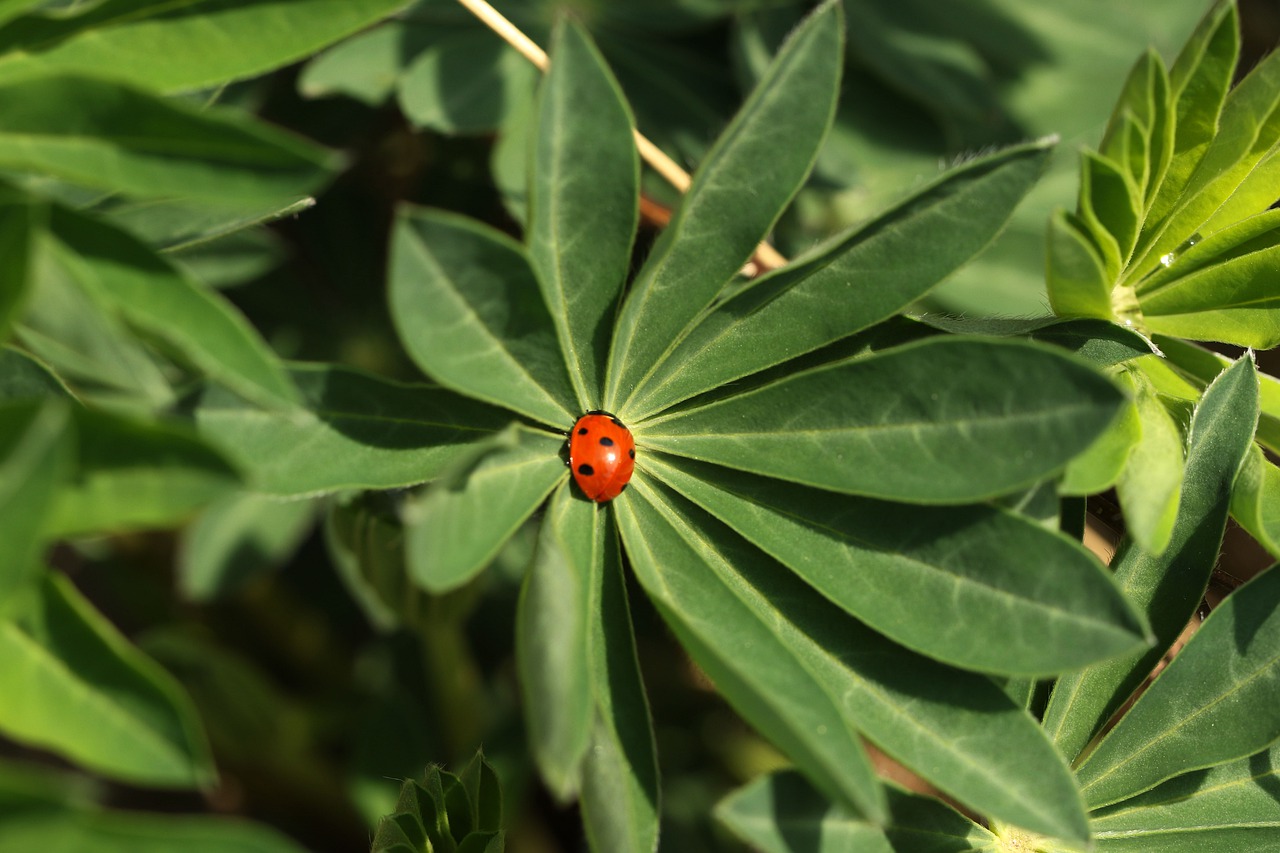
{"points": [[602, 455]]}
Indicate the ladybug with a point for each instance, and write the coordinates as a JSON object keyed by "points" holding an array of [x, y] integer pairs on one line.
{"points": [[602, 455]]}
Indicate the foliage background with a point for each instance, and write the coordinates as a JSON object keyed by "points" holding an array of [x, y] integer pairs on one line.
{"points": [[328, 707]]}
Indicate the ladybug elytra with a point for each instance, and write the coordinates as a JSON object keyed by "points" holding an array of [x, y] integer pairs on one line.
{"points": [[602, 455]]}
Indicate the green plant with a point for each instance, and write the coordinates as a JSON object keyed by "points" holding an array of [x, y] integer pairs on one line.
{"points": [[859, 518]]}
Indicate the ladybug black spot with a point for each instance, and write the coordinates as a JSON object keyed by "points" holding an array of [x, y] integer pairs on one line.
{"points": [[632, 453], [582, 431], [606, 442], [624, 488], [586, 470]]}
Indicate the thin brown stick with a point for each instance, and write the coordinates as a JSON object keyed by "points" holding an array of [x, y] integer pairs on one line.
{"points": [[765, 258]]}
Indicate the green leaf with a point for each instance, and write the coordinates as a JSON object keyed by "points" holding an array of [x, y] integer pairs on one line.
{"points": [[113, 137], [192, 45], [782, 813], [808, 677], [1255, 500], [1101, 342], [789, 687], [123, 274], [1221, 289], [18, 221], [1098, 468], [1201, 365], [1198, 84], [924, 825], [927, 422], [738, 193], [65, 665], [551, 643], [366, 66], [1168, 586], [1079, 284], [466, 83], [355, 430], [484, 792], [1225, 808], [1114, 205], [236, 539], [620, 791], [1016, 577], [1150, 486], [583, 205], [136, 832], [90, 348], [469, 311], [36, 451], [24, 377], [459, 522], [855, 280], [365, 540], [136, 474], [1248, 131], [1213, 703]]}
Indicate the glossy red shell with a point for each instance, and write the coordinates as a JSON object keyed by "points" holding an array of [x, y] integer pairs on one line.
{"points": [[602, 455]]}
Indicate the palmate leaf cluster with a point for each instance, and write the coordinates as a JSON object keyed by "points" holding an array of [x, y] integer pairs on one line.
{"points": [[860, 522]]}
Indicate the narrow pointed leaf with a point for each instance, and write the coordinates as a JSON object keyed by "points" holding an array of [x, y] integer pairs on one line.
{"points": [[551, 643], [782, 813], [1115, 202], [1225, 808], [36, 455], [788, 687], [1168, 586], [1224, 288], [1201, 366], [1255, 500], [122, 273], [871, 559], [1198, 84], [1078, 282], [738, 192], [113, 137], [1249, 130], [928, 422], [354, 430], [1150, 486], [458, 523], [64, 663], [925, 825], [1214, 703], [857, 279], [809, 676], [134, 474], [182, 47], [470, 313], [583, 204], [620, 788]]}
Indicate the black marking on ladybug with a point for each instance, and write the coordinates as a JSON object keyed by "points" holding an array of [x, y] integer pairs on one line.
{"points": [[586, 470], [616, 422], [606, 442], [582, 431], [624, 488], [632, 453]]}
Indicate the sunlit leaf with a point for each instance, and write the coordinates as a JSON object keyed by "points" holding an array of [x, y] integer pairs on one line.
{"points": [[64, 664], [928, 422], [1213, 703]]}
